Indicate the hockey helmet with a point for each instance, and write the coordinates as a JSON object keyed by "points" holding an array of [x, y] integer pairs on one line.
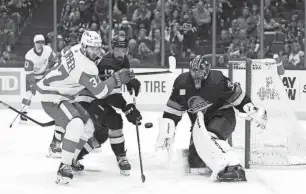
{"points": [[199, 69], [120, 42], [91, 43]]}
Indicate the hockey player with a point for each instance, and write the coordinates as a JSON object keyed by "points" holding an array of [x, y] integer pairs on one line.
{"points": [[221, 96], [109, 121], [37, 61], [72, 73]]}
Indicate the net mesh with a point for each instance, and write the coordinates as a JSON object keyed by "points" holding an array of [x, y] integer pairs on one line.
{"points": [[283, 142]]}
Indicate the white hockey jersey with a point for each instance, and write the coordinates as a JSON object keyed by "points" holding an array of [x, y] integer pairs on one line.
{"points": [[71, 74], [37, 64]]}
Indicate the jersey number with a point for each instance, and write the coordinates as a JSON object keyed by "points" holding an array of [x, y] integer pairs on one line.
{"points": [[62, 74], [94, 82]]}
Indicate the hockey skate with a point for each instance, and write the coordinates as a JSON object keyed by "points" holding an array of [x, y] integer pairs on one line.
{"points": [[232, 174], [123, 164], [64, 174], [76, 166], [22, 119], [55, 150]]}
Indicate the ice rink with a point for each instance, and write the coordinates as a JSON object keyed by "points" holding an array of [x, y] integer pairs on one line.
{"points": [[25, 168]]}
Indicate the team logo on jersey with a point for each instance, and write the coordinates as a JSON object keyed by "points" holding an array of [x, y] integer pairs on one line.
{"points": [[182, 92]]}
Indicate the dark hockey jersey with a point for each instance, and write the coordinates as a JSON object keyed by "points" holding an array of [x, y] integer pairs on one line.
{"points": [[107, 66], [216, 89]]}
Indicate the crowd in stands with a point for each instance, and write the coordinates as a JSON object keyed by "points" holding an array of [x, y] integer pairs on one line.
{"points": [[188, 29], [14, 15]]}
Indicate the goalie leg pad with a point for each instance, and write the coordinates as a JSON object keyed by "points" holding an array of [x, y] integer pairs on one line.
{"points": [[217, 154]]}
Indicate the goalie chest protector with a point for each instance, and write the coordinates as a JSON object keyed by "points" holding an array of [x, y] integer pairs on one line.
{"points": [[215, 89]]}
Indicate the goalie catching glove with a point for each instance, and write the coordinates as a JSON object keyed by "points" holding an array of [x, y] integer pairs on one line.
{"points": [[132, 114], [255, 114]]}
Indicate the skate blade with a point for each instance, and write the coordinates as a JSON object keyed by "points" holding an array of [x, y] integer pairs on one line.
{"points": [[54, 155], [22, 122], [231, 180], [62, 180], [77, 172], [200, 171], [125, 172]]}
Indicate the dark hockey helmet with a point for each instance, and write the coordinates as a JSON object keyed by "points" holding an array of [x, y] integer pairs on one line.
{"points": [[120, 42], [199, 69], [120, 47]]}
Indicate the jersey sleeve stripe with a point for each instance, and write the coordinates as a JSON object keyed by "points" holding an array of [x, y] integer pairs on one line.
{"points": [[175, 105], [236, 99], [66, 111], [176, 112], [103, 93], [83, 98]]}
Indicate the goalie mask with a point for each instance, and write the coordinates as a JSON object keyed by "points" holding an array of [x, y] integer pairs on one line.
{"points": [[199, 69]]}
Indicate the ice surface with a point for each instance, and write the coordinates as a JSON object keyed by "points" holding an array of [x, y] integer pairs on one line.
{"points": [[25, 168]]}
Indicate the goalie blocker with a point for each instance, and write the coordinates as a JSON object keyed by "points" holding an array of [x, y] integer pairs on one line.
{"points": [[210, 99]]}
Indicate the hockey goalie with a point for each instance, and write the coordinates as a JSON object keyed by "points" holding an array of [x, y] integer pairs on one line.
{"points": [[209, 98]]}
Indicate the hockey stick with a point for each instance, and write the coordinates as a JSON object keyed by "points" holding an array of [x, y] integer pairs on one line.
{"points": [[21, 110], [172, 67], [143, 178], [50, 123]]}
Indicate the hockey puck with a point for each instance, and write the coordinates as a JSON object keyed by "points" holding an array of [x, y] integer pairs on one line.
{"points": [[148, 125]]}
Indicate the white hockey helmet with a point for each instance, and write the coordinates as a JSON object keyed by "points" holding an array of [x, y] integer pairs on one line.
{"points": [[91, 43], [91, 38]]}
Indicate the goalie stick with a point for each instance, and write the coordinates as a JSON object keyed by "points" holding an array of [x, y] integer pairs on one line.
{"points": [[50, 123], [172, 67]]}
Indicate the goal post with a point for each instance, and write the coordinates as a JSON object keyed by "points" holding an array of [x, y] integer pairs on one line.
{"points": [[283, 142]]}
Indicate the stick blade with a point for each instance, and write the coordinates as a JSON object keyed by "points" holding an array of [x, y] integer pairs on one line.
{"points": [[172, 63], [143, 178]]}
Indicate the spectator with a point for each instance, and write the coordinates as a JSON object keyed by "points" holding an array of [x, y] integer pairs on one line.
{"points": [[269, 23], [222, 61], [125, 26], [176, 38], [253, 51], [5, 59], [296, 55], [189, 39], [3, 6], [234, 30], [225, 40], [142, 15], [203, 20], [7, 29], [156, 22], [142, 38], [133, 53], [286, 50], [246, 21], [119, 8]]}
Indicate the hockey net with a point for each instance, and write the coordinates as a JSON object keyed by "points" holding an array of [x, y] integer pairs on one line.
{"points": [[283, 142]]}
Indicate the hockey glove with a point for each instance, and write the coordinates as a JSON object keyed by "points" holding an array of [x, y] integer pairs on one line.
{"points": [[33, 89], [123, 76], [133, 84], [132, 114], [255, 114]]}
